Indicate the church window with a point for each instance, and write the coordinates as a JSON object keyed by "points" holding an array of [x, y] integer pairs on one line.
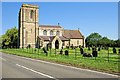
{"points": [[77, 41], [63, 43], [31, 30], [31, 14], [51, 32], [58, 33], [45, 32]]}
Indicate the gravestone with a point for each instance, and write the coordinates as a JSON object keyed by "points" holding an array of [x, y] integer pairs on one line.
{"points": [[98, 48], [114, 50], [61, 52], [94, 53], [66, 52], [118, 50], [87, 55], [81, 50], [88, 48], [45, 51]]}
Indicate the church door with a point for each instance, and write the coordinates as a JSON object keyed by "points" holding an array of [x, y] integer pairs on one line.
{"points": [[57, 44]]}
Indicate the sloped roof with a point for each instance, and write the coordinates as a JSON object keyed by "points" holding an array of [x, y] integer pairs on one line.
{"points": [[72, 34], [50, 26], [50, 38]]}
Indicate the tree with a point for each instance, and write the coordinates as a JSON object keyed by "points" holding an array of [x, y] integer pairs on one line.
{"points": [[10, 38], [93, 39], [105, 41]]}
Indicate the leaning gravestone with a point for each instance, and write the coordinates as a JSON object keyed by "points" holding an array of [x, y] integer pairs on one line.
{"points": [[114, 50], [87, 55], [45, 51], [66, 52]]}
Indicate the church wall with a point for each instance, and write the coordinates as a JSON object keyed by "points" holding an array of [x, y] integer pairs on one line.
{"points": [[76, 42]]}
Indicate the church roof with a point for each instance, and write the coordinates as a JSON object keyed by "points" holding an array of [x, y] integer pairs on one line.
{"points": [[72, 34], [50, 38], [50, 26]]}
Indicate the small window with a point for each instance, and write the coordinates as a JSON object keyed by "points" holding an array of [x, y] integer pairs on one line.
{"points": [[31, 30], [63, 43], [44, 32], [31, 14], [51, 32], [77, 41], [58, 33]]}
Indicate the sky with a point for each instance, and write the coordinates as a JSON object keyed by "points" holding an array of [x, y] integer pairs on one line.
{"points": [[89, 17]]}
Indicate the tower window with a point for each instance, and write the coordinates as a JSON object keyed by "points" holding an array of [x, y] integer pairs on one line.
{"points": [[31, 30], [31, 14], [58, 33], [51, 32], [77, 41], [44, 32]]}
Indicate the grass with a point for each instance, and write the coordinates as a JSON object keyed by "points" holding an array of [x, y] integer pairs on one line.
{"points": [[100, 63]]}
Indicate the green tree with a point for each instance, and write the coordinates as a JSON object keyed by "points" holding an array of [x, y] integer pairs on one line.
{"points": [[9, 39], [105, 42], [93, 39]]}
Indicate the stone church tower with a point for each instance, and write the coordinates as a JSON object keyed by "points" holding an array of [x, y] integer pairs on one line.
{"points": [[28, 25]]}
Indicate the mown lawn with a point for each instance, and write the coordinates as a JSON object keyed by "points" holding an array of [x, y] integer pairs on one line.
{"points": [[100, 63]]}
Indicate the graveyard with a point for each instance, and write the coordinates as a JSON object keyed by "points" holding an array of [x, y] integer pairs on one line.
{"points": [[100, 59]]}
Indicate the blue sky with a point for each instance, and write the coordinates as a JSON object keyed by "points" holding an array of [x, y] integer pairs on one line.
{"points": [[89, 17]]}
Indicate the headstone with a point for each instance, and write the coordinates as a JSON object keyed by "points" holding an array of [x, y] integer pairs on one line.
{"points": [[87, 55], [88, 48], [114, 50], [118, 50], [66, 52], [45, 51], [61, 52], [84, 54], [81, 50], [98, 48], [94, 53]]}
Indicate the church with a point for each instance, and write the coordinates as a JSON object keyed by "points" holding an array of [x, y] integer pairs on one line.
{"points": [[38, 36]]}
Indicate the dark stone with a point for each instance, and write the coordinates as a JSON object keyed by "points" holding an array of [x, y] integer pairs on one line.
{"points": [[114, 50], [66, 52], [81, 50], [87, 55], [89, 48], [94, 53], [45, 51], [98, 48], [61, 52], [84, 54], [35, 50], [118, 50]]}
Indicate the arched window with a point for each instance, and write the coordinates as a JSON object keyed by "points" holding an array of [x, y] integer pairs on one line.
{"points": [[31, 14], [51, 32], [58, 33], [45, 32]]}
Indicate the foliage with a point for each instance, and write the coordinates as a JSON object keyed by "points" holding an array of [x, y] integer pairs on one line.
{"points": [[95, 39], [10, 38]]}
